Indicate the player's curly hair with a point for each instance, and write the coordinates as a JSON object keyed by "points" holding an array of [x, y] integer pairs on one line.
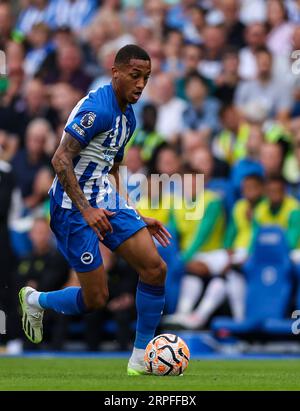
{"points": [[130, 51]]}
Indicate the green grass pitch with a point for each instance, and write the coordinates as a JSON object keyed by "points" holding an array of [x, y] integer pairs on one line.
{"points": [[110, 374]]}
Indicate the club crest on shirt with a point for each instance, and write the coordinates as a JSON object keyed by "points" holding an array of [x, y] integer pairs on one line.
{"points": [[88, 120]]}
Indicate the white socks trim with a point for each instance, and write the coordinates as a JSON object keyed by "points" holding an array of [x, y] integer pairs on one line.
{"points": [[33, 299]]}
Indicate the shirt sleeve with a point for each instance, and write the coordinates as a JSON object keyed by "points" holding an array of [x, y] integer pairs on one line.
{"points": [[87, 123]]}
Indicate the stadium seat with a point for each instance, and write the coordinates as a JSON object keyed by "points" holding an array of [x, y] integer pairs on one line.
{"points": [[283, 327], [268, 274], [224, 188]]}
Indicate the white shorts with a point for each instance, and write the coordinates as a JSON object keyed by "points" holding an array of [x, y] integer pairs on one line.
{"points": [[295, 256], [216, 260], [239, 256]]}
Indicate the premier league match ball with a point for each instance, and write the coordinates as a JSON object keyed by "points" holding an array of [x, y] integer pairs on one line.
{"points": [[167, 354]]}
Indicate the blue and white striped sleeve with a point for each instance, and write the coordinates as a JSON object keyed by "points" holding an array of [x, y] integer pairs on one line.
{"points": [[87, 123]]}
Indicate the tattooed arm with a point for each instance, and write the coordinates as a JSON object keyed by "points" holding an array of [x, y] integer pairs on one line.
{"points": [[62, 162]]}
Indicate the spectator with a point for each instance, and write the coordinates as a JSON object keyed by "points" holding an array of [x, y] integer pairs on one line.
{"points": [[40, 47], [41, 185], [62, 99], [200, 248], [272, 158], [203, 162], [31, 159], [6, 25], [191, 56], [91, 46], [190, 141], [105, 60], [282, 210], [76, 14], [37, 11], [193, 29], [281, 30], [294, 187], [143, 33], [157, 201], [250, 163], [153, 200], [255, 36], [8, 146], [68, 68], [169, 106], [293, 10], [165, 160], [227, 82], [238, 240], [172, 51], [178, 15], [44, 268], [155, 12], [8, 281], [135, 169], [277, 207], [146, 137], [214, 38], [27, 106], [253, 11], [233, 26], [202, 111], [230, 144], [11, 85], [114, 29], [265, 90]]}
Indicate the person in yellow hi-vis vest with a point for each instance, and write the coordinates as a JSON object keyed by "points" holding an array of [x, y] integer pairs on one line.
{"points": [[199, 225], [280, 209], [238, 240], [277, 207], [152, 202], [156, 201]]}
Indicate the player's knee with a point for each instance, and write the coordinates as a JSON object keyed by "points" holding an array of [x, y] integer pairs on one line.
{"points": [[155, 274], [97, 300]]}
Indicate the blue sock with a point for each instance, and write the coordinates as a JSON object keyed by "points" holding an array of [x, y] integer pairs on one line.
{"points": [[150, 301], [68, 301]]}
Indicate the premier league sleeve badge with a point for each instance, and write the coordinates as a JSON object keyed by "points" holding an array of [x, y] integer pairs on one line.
{"points": [[88, 120]]}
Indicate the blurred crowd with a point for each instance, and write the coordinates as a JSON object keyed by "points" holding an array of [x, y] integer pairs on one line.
{"points": [[223, 100]]}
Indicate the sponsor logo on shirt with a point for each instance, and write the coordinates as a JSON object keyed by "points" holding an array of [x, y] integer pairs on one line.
{"points": [[78, 129]]}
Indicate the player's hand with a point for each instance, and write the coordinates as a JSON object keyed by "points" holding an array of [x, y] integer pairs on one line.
{"points": [[158, 231], [97, 218]]}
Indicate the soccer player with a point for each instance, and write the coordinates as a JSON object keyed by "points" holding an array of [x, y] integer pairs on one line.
{"points": [[85, 208]]}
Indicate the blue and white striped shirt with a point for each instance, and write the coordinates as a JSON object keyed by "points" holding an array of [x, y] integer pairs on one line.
{"points": [[58, 13], [98, 123]]}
